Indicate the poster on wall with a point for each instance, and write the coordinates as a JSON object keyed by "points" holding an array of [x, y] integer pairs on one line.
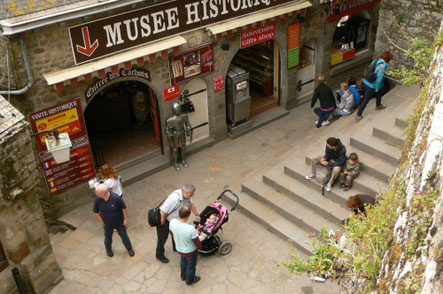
{"points": [[293, 45], [191, 64], [66, 118], [219, 82]]}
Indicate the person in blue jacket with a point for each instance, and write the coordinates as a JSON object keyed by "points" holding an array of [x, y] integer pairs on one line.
{"points": [[374, 89], [352, 83]]}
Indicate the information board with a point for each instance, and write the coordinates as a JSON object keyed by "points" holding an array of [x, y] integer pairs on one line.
{"points": [[293, 45], [66, 118]]}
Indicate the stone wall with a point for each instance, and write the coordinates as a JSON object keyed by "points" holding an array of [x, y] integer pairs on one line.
{"points": [[22, 226], [400, 20]]}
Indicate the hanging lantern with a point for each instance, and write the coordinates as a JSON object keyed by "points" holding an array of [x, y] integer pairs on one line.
{"points": [[60, 147]]}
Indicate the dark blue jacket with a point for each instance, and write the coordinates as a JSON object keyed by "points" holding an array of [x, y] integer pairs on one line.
{"points": [[339, 155]]}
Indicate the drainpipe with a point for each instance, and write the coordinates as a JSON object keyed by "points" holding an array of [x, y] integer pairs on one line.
{"points": [[28, 73]]}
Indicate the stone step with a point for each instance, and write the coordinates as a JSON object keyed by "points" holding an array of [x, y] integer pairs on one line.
{"points": [[301, 215], [377, 148], [56, 238], [364, 182], [135, 161], [305, 195], [402, 123], [273, 222], [299, 172], [144, 169], [389, 132]]}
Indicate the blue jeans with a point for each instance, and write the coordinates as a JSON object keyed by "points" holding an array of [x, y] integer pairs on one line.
{"points": [[369, 94], [323, 115], [187, 266], [121, 230]]}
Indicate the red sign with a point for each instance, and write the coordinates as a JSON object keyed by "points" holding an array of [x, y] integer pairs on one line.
{"points": [[293, 45], [66, 118], [348, 54], [191, 64], [339, 10], [219, 82], [171, 92], [257, 35]]}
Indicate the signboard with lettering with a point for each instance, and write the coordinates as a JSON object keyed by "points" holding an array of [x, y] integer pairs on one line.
{"points": [[219, 82], [339, 10], [66, 118], [293, 45], [191, 64], [105, 36], [257, 35], [171, 92], [99, 84]]}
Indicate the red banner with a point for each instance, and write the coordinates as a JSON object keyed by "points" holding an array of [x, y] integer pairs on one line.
{"points": [[257, 35], [66, 118], [341, 9]]}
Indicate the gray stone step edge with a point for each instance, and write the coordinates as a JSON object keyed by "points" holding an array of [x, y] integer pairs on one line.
{"points": [[388, 137], [399, 122], [328, 215], [137, 160], [298, 244], [359, 144], [304, 224], [356, 184]]}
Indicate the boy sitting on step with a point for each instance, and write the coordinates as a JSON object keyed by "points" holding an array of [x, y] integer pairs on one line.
{"points": [[350, 171]]}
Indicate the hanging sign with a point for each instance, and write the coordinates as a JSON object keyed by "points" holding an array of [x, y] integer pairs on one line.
{"points": [[171, 92], [257, 35], [219, 82], [66, 118], [99, 84], [119, 32], [191, 64], [293, 45], [337, 10]]}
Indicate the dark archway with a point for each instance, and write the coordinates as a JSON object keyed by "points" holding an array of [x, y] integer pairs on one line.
{"points": [[123, 123]]}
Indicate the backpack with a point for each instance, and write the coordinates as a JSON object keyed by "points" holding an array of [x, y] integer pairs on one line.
{"points": [[369, 73], [323, 176]]}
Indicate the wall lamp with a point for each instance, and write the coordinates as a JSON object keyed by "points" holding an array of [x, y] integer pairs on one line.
{"points": [[59, 145]]}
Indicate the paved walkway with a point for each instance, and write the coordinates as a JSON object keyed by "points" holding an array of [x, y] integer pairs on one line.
{"points": [[253, 266]]}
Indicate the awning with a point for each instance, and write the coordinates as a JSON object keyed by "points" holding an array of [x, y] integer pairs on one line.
{"points": [[257, 18], [125, 59]]}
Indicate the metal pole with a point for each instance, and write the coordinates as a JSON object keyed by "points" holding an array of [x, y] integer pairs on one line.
{"points": [[19, 282]]}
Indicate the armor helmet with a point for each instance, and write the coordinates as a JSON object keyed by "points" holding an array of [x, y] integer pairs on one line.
{"points": [[176, 108]]}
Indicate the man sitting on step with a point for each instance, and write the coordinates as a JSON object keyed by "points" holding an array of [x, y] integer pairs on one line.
{"points": [[335, 157]]}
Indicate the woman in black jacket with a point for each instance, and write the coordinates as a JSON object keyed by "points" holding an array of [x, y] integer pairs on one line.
{"points": [[327, 102]]}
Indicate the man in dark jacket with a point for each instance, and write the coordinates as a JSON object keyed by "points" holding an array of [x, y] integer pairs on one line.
{"points": [[327, 102], [335, 157]]}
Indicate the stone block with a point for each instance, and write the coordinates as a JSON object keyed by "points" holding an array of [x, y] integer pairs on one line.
{"points": [[18, 253]]}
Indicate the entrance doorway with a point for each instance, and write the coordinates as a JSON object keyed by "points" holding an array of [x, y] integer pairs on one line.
{"points": [[262, 62], [123, 123]]}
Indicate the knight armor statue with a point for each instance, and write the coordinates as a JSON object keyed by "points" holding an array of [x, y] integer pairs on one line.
{"points": [[177, 128]]}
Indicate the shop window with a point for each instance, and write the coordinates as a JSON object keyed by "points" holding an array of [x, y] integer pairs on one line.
{"points": [[3, 260], [350, 37]]}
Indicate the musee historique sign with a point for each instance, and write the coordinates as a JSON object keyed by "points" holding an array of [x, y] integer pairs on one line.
{"points": [[130, 29]]}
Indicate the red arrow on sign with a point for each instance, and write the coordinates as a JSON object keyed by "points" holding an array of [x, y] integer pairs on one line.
{"points": [[89, 48]]}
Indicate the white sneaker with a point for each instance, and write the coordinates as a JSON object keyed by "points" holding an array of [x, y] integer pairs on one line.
{"points": [[328, 187], [325, 123], [310, 177]]}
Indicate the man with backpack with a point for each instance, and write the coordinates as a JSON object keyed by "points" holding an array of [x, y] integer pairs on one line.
{"points": [[334, 158], [168, 211], [373, 83]]}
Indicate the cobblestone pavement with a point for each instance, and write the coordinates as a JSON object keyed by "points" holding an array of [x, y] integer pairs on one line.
{"points": [[253, 266]]}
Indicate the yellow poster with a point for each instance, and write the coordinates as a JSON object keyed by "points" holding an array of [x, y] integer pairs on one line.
{"points": [[57, 120]]}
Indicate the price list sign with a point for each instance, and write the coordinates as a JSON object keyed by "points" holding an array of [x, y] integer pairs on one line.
{"points": [[66, 118], [293, 45]]}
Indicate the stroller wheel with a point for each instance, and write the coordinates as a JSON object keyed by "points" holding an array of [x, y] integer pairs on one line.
{"points": [[225, 248]]}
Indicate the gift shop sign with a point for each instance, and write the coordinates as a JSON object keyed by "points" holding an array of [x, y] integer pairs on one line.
{"points": [[105, 36], [349, 7], [66, 118], [257, 35]]}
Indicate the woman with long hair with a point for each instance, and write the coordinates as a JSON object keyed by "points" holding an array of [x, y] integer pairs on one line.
{"points": [[111, 179]]}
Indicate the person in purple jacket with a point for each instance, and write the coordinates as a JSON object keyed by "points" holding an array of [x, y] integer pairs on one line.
{"points": [[374, 89]]}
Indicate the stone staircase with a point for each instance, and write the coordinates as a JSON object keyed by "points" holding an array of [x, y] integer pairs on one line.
{"points": [[290, 206]]}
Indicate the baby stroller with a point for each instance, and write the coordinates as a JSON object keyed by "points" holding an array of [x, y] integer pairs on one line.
{"points": [[212, 242]]}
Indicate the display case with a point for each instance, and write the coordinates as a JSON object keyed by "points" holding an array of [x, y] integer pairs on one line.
{"points": [[237, 94], [259, 62]]}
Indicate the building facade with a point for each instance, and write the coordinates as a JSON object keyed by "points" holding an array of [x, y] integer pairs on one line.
{"points": [[126, 62]]}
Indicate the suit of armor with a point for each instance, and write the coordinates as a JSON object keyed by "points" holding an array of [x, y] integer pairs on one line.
{"points": [[177, 128]]}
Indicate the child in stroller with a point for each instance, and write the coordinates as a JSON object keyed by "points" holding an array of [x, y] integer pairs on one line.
{"points": [[211, 220]]}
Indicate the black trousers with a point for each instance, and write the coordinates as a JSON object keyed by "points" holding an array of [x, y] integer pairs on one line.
{"points": [[162, 237], [121, 230]]}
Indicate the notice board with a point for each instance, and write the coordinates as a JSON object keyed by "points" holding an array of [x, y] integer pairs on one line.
{"points": [[66, 118], [293, 45], [191, 64]]}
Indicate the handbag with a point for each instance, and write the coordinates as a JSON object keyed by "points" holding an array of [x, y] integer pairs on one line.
{"points": [[154, 217]]}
